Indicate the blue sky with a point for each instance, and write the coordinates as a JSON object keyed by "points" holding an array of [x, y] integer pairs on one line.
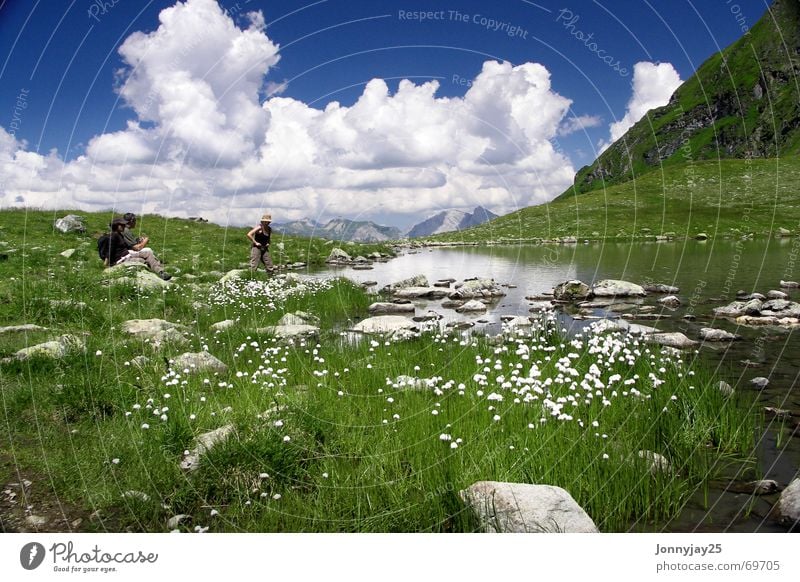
{"points": [[64, 58]]}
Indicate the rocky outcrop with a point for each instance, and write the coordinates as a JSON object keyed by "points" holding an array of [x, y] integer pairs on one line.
{"points": [[54, 349], [525, 508], [338, 256], [416, 281], [571, 291], [476, 289], [70, 223]]}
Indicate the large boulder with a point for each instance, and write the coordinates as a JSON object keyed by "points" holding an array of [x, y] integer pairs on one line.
{"points": [[385, 324], [156, 332], [477, 288], [571, 291], [70, 223], [416, 281], [338, 256], [526, 508], [673, 340], [617, 288], [789, 505], [196, 362]]}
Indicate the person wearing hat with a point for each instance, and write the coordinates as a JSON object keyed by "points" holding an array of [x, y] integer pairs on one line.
{"points": [[259, 238], [121, 250]]}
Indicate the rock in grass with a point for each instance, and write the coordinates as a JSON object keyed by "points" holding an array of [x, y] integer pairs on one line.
{"points": [[710, 334], [658, 462], [70, 223], [232, 275], [789, 505], [670, 301], [299, 318], [205, 442], [617, 288], [223, 325], [134, 272], [571, 291], [673, 340], [196, 362], [24, 328], [526, 508], [36, 521], [176, 520], [385, 324], [472, 306], [338, 256], [67, 253], [156, 332], [54, 349], [290, 332], [139, 495]]}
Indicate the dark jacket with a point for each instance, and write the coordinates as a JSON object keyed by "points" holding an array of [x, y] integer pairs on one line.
{"points": [[118, 248]]}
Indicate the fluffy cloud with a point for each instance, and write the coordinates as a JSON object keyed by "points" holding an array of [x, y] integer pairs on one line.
{"points": [[653, 85], [578, 123], [203, 142]]}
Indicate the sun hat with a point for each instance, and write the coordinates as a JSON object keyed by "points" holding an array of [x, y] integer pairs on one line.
{"points": [[266, 218]]}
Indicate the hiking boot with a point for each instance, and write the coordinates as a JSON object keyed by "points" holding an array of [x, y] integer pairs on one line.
{"points": [[164, 275]]}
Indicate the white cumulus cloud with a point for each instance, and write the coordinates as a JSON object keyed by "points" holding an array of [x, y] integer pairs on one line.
{"points": [[202, 142]]}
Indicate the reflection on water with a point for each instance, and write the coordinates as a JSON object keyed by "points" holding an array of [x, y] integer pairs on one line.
{"points": [[708, 273]]}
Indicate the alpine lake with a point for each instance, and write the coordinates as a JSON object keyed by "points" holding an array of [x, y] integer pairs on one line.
{"points": [[709, 274]]}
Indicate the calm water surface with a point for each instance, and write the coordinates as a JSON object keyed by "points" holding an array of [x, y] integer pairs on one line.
{"points": [[708, 274]]}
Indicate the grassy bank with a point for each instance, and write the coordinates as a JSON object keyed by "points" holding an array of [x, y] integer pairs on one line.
{"points": [[727, 198], [334, 435]]}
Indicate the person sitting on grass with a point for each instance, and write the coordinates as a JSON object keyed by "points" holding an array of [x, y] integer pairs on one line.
{"points": [[137, 243], [121, 250], [259, 251]]}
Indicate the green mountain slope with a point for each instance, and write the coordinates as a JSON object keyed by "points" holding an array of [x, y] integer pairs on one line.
{"points": [[720, 198], [742, 102]]}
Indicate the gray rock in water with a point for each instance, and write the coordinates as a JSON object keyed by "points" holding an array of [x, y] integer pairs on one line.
{"points": [[710, 334], [790, 284], [775, 294], [526, 508], [571, 291], [673, 340], [753, 307], [477, 288], [760, 382], [540, 306], [472, 306], [382, 308], [338, 256], [205, 442], [384, 324], [789, 505], [199, 362], [429, 315], [452, 304], [420, 292], [70, 223], [661, 288], [517, 322], [701, 236], [617, 288], [670, 301], [734, 309], [775, 305], [416, 281]]}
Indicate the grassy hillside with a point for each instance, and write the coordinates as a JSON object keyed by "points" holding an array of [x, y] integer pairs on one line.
{"points": [[725, 198], [742, 102]]}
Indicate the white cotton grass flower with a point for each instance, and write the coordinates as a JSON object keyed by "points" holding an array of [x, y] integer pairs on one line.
{"points": [[213, 513], [98, 353], [454, 445], [145, 426], [445, 437], [115, 461], [276, 496], [287, 438]]}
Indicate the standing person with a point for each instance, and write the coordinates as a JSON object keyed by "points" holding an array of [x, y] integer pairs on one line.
{"points": [[259, 237], [120, 250]]}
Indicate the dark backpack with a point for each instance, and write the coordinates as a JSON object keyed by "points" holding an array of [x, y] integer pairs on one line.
{"points": [[104, 246]]}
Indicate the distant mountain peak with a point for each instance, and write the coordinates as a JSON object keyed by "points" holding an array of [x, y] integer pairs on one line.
{"points": [[450, 220]]}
